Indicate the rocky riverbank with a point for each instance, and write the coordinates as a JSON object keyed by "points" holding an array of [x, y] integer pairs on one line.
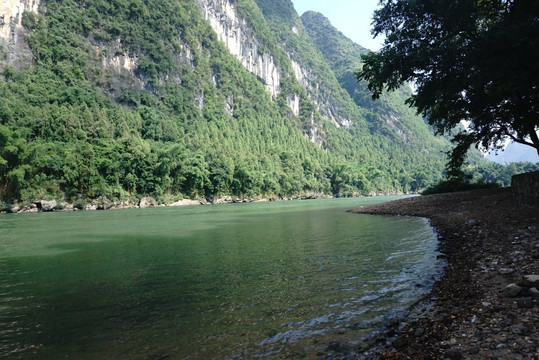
{"points": [[486, 306], [103, 203]]}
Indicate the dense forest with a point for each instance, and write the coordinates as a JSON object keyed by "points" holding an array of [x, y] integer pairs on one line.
{"points": [[188, 120]]}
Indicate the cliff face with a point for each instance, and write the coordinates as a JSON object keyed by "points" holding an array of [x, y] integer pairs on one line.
{"points": [[239, 38], [315, 76], [13, 49], [343, 56]]}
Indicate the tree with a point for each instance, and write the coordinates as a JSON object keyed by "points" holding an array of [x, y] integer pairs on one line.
{"points": [[13, 167], [471, 60]]}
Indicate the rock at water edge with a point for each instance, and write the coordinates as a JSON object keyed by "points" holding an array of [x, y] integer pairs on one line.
{"points": [[147, 202]]}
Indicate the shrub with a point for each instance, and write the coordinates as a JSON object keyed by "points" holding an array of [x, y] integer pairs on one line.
{"points": [[453, 185], [79, 204], [5, 206]]}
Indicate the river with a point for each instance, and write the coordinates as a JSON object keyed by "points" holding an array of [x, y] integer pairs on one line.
{"points": [[241, 281]]}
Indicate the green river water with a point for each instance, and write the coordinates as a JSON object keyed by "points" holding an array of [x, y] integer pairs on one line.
{"points": [[246, 281]]}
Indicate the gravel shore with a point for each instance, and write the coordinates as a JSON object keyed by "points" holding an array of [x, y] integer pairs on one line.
{"points": [[486, 305]]}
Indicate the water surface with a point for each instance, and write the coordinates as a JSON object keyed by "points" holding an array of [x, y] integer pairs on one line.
{"points": [[246, 281]]}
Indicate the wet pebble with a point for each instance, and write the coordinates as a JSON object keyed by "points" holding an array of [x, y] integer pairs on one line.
{"points": [[506, 271], [525, 303], [400, 342]]}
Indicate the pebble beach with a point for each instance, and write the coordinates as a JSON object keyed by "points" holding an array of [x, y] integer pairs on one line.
{"points": [[486, 305]]}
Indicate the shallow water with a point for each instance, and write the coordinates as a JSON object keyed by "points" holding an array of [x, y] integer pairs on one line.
{"points": [[246, 281]]}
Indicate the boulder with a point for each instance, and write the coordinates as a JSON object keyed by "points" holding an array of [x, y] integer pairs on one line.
{"points": [[147, 202], [185, 202], [44, 205], [104, 204], [90, 207]]}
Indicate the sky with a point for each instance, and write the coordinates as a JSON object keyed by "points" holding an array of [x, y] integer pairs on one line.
{"points": [[352, 17]]}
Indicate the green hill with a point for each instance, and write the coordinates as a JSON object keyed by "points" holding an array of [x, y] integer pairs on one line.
{"points": [[130, 98]]}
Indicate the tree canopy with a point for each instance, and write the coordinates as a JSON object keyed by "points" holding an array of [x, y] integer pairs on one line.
{"points": [[471, 60]]}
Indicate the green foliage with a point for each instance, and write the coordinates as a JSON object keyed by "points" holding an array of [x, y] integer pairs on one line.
{"points": [[479, 174], [5, 206], [451, 52], [454, 185], [79, 204], [492, 172]]}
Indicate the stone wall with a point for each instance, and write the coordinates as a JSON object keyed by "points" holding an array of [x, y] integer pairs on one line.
{"points": [[525, 188]]}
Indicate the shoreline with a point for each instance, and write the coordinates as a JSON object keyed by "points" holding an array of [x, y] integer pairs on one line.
{"points": [[103, 203], [485, 305]]}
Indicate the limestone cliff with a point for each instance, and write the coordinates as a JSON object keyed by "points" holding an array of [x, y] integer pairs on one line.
{"points": [[235, 33], [321, 97], [13, 49]]}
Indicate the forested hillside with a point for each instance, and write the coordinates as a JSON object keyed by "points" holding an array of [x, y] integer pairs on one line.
{"points": [[129, 98]]}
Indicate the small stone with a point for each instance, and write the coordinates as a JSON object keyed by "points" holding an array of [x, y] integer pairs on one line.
{"points": [[506, 271], [520, 330], [400, 342], [419, 332], [473, 222], [512, 290], [531, 280], [525, 303], [453, 354], [534, 292], [474, 350]]}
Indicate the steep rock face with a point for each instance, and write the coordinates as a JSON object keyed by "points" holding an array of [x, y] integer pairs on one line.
{"points": [[323, 100], [323, 89], [13, 49], [343, 56], [238, 37]]}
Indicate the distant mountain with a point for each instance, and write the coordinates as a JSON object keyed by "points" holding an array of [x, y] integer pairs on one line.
{"points": [[195, 98], [514, 152]]}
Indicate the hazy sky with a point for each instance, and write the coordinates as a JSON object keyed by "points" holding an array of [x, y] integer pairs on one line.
{"points": [[352, 17]]}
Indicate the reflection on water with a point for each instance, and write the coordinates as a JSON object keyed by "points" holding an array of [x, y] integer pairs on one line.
{"points": [[271, 280]]}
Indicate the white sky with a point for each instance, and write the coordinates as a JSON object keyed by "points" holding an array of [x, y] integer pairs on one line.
{"points": [[352, 17]]}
